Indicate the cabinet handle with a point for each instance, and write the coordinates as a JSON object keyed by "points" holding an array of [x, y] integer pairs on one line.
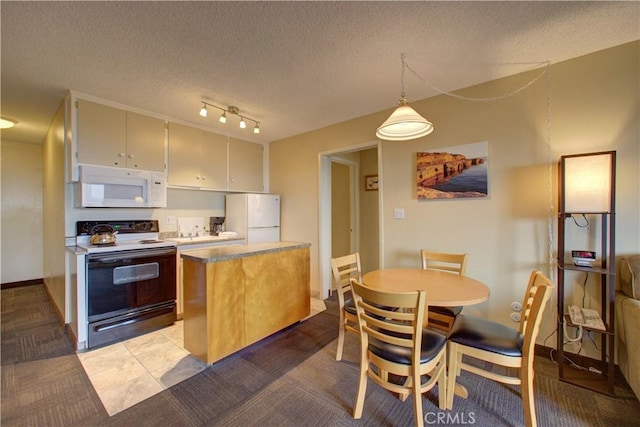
{"points": [[130, 156], [204, 178], [120, 154]]}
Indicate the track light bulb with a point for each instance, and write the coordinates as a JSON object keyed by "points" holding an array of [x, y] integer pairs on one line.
{"points": [[242, 123], [223, 117], [203, 110], [256, 128]]}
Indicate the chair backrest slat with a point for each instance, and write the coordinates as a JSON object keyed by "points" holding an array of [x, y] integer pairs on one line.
{"points": [[344, 269], [449, 262], [538, 293], [395, 318]]}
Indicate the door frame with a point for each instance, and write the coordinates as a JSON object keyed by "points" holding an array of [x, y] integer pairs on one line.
{"points": [[354, 202], [324, 207]]}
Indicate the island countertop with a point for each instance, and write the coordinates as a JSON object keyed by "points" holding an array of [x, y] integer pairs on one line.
{"points": [[224, 253]]}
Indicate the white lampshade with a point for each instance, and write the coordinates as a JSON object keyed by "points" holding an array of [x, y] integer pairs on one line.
{"points": [[588, 182], [7, 123], [404, 124]]}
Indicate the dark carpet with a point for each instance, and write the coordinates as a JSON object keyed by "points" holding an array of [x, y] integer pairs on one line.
{"points": [[288, 379]]}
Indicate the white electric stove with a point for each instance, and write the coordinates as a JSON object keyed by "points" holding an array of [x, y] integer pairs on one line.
{"points": [[132, 235]]}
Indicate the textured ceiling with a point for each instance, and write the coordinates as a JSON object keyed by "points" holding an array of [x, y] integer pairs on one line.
{"points": [[293, 66]]}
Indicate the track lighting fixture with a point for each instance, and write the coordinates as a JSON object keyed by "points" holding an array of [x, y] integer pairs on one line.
{"points": [[231, 110]]}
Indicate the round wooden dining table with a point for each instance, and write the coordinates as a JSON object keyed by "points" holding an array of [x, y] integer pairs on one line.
{"points": [[443, 289]]}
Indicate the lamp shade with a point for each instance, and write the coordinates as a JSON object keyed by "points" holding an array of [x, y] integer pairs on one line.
{"points": [[404, 124], [7, 123], [588, 182]]}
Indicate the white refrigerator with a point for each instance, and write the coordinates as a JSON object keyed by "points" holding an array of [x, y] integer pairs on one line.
{"points": [[255, 216]]}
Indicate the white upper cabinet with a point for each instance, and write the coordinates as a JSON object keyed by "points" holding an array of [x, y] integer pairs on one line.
{"points": [[202, 159], [197, 158], [110, 136], [245, 165]]}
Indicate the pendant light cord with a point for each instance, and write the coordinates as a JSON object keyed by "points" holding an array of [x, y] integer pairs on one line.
{"points": [[550, 164], [466, 98], [546, 70]]}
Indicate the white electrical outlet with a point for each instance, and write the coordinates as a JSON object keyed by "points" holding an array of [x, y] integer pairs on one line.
{"points": [[398, 213], [515, 317], [516, 306], [170, 219]]}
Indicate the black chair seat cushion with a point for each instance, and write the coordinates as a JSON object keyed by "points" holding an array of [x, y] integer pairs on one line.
{"points": [[486, 335], [432, 343], [447, 311], [350, 306]]}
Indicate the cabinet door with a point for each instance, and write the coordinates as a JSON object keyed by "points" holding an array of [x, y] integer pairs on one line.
{"points": [[245, 165], [213, 159], [102, 134], [197, 158], [145, 142], [184, 154]]}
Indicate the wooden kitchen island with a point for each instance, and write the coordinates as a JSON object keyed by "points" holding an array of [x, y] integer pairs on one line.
{"points": [[236, 295]]}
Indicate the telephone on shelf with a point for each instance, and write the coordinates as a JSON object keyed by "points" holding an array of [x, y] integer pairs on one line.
{"points": [[586, 317]]}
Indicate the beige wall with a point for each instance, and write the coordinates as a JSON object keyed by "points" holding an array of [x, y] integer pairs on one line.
{"points": [[369, 217], [21, 235], [54, 208], [594, 107]]}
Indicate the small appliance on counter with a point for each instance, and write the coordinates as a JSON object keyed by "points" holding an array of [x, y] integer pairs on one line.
{"points": [[216, 225]]}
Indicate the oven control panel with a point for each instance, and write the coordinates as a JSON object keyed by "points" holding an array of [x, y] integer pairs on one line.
{"points": [[84, 228]]}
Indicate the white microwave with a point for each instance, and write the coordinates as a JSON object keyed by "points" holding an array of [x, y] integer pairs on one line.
{"points": [[109, 187]]}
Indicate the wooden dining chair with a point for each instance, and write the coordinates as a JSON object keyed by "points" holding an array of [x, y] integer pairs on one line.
{"points": [[443, 317], [493, 342], [345, 268], [397, 351]]}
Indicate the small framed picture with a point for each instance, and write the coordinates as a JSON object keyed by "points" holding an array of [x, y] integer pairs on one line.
{"points": [[371, 183]]}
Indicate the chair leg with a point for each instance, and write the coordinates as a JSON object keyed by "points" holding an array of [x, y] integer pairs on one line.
{"points": [[417, 396], [404, 396], [341, 332], [442, 383], [362, 385], [453, 373], [528, 402]]}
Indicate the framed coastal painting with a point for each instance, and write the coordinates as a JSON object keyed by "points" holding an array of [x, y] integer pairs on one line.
{"points": [[453, 172]]}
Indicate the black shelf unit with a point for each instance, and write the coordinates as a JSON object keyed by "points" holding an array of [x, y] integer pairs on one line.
{"points": [[593, 374]]}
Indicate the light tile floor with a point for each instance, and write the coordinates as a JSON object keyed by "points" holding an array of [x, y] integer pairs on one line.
{"points": [[128, 372]]}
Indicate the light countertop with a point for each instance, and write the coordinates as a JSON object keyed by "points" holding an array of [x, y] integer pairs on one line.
{"points": [[223, 253]]}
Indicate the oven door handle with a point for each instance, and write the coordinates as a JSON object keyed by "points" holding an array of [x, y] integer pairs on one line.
{"points": [[122, 256]]}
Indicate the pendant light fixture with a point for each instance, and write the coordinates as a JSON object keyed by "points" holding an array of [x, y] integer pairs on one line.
{"points": [[404, 123], [6, 123]]}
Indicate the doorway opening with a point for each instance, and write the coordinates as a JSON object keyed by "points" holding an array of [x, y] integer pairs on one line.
{"points": [[349, 215]]}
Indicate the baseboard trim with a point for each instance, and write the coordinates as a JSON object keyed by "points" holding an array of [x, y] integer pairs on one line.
{"points": [[21, 283], [59, 314]]}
